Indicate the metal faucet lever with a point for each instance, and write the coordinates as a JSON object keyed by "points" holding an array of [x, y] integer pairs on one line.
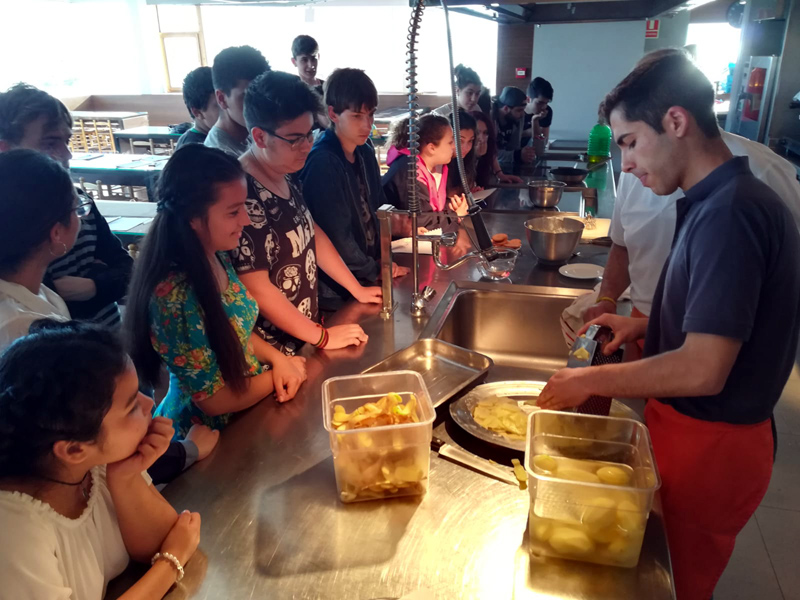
{"points": [[419, 297], [448, 240]]}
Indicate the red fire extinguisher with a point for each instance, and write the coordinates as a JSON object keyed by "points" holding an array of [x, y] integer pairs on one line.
{"points": [[755, 88]]}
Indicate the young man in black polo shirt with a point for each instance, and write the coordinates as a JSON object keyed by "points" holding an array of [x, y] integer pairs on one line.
{"points": [[342, 183], [198, 95], [721, 338]]}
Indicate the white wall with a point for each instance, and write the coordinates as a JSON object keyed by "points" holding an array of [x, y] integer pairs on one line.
{"points": [[603, 53]]}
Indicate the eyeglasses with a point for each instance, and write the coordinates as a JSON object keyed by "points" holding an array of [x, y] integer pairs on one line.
{"points": [[296, 143], [83, 208]]}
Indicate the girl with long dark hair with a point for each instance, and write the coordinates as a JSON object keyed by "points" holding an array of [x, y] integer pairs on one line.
{"points": [[187, 308], [467, 125], [485, 149]]}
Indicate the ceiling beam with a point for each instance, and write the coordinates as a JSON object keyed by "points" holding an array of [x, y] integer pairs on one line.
{"points": [[561, 11]]}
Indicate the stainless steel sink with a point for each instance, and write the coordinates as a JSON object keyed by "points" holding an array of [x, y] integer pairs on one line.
{"points": [[518, 327]]}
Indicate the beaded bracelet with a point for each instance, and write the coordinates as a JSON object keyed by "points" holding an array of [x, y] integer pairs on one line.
{"points": [[170, 558]]}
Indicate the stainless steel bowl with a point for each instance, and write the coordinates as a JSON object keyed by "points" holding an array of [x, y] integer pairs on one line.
{"points": [[553, 239], [545, 193]]}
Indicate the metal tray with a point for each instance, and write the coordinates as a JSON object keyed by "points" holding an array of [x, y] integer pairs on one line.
{"points": [[521, 391], [446, 369]]}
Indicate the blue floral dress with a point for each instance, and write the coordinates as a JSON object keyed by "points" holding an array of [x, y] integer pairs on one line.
{"points": [[178, 334]]}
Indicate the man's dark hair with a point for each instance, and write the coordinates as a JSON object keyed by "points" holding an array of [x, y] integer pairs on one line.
{"points": [[275, 97], [235, 64], [540, 87], [304, 44], [660, 80], [197, 87], [22, 104], [466, 76], [350, 89]]}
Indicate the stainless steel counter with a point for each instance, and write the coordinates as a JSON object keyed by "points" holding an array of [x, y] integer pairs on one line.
{"points": [[273, 526]]}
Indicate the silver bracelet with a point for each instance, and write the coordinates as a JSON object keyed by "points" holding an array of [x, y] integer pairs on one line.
{"points": [[171, 558]]}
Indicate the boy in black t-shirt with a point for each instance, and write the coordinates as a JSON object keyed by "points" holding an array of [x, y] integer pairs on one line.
{"points": [[198, 94]]}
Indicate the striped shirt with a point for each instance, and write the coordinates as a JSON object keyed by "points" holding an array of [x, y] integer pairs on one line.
{"points": [[97, 255]]}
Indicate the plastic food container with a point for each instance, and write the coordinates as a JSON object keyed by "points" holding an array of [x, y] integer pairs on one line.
{"points": [[379, 462], [591, 483]]}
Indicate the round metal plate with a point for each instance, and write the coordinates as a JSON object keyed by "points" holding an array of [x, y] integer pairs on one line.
{"points": [[521, 391]]}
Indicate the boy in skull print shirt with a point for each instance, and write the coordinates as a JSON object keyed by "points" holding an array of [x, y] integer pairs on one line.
{"points": [[280, 240]]}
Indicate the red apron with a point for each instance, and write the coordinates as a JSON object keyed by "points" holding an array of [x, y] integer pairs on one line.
{"points": [[714, 476]]}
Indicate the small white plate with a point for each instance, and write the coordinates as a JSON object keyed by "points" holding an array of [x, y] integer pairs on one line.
{"points": [[581, 271]]}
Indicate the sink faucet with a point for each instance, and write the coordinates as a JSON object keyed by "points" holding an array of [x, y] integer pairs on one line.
{"points": [[418, 297]]}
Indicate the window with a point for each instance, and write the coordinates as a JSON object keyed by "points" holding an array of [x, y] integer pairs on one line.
{"points": [[366, 36], [182, 44], [717, 49]]}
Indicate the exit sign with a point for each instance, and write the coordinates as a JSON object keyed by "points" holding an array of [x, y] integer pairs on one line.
{"points": [[651, 30]]}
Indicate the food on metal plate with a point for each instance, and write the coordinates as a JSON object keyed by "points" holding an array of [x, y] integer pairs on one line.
{"points": [[501, 415]]}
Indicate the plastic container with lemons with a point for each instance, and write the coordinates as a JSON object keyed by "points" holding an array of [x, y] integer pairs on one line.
{"points": [[591, 482]]}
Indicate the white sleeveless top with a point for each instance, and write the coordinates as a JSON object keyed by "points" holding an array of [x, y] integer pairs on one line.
{"points": [[48, 556]]}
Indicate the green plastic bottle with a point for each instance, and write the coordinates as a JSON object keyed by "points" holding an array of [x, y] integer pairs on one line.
{"points": [[599, 142]]}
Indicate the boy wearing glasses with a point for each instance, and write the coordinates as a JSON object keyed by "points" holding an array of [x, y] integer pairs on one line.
{"points": [[234, 68], [278, 253], [94, 275], [342, 182]]}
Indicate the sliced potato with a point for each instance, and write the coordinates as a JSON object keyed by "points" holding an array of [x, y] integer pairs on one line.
{"points": [[502, 416]]}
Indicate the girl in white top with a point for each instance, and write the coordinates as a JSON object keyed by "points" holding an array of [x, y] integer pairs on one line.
{"points": [[76, 437], [40, 223]]}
